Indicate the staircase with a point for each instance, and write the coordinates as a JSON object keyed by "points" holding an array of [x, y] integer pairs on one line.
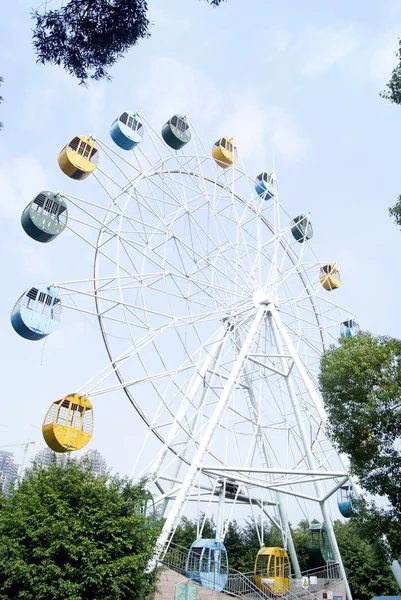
{"points": [[239, 584]]}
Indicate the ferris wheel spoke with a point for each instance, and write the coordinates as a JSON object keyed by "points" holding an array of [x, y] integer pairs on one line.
{"points": [[190, 252]]}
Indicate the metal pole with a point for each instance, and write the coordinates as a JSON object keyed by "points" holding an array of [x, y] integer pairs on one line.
{"points": [[220, 513], [199, 379], [196, 463], [273, 317], [266, 455], [394, 564]]}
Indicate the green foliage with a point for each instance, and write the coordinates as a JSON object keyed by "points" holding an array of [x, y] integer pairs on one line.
{"points": [[67, 535], [361, 385], [368, 573], [367, 570], [86, 37], [395, 212], [300, 539], [393, 92], [241, 541], [186, 532]]}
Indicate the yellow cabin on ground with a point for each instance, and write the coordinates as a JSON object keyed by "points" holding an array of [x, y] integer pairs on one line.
{"points": [[272, 571], [225, 152], [330, 277], [79, 157], [68, 424]]}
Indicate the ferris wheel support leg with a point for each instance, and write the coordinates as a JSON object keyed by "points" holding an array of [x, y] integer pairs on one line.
{"points": [[203, 378], [394, 564], [200, 378], [196, 464], [265, 451], [275, 322]]}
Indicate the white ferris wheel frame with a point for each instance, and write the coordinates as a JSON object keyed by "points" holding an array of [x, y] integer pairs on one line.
{"points": [[165, 471]]}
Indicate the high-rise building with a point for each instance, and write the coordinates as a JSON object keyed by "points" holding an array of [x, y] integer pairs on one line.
{"points": [[96, 461], [8, 472], [44, 458]]}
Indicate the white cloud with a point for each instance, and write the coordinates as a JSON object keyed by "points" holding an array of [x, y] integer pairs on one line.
{"points": [[258, 129], [175, 87], [261, 130], [280, 40], [325, 47], [32, 260], [20, 179], [383, 58]]}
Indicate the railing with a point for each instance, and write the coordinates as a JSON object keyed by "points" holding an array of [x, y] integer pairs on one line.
{"points": [[175, 558], [237, 584], [242, 585], [330, 571], [326, 575]]}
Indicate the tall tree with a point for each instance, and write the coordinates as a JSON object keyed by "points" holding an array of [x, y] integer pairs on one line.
{"points": [[393, 93], [368, 572], [360, 382], [66, 534], [86, 37], [395, 211]]}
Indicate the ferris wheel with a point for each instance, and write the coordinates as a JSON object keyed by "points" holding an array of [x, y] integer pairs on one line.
{"points": [[214, 311]]}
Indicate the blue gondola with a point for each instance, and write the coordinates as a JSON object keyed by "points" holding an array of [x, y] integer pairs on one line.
{"points": [[127, 131], [345, 497], [266, 185], [207, 564], [302, 228], [349, 328], [45, 217], [37, 313]]}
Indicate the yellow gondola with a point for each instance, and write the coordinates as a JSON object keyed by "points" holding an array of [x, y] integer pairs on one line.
{"points": [[68, 424], [272, 571], [330, 277], [225, 152], [79, 157]]}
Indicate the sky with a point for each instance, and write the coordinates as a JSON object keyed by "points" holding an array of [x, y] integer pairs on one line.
{"points": [[299, 81]]}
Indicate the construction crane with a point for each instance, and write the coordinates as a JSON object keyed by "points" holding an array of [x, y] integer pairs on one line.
{"points": [[26, 447]]}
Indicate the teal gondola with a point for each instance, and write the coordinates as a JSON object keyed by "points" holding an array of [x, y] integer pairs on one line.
{"points": [[176, 132], [207, 564], [318, 545], [37, 313], [302, 228], [45, 217], [127, 131]]}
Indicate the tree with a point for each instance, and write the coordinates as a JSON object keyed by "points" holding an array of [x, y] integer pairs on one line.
{"points": [[395, 211], [360, 382], [86, 37], [368, 573], [393, 92], [65, 534]]}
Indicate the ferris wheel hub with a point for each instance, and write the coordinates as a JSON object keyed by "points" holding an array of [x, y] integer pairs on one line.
{"points": [[261, 297]]}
